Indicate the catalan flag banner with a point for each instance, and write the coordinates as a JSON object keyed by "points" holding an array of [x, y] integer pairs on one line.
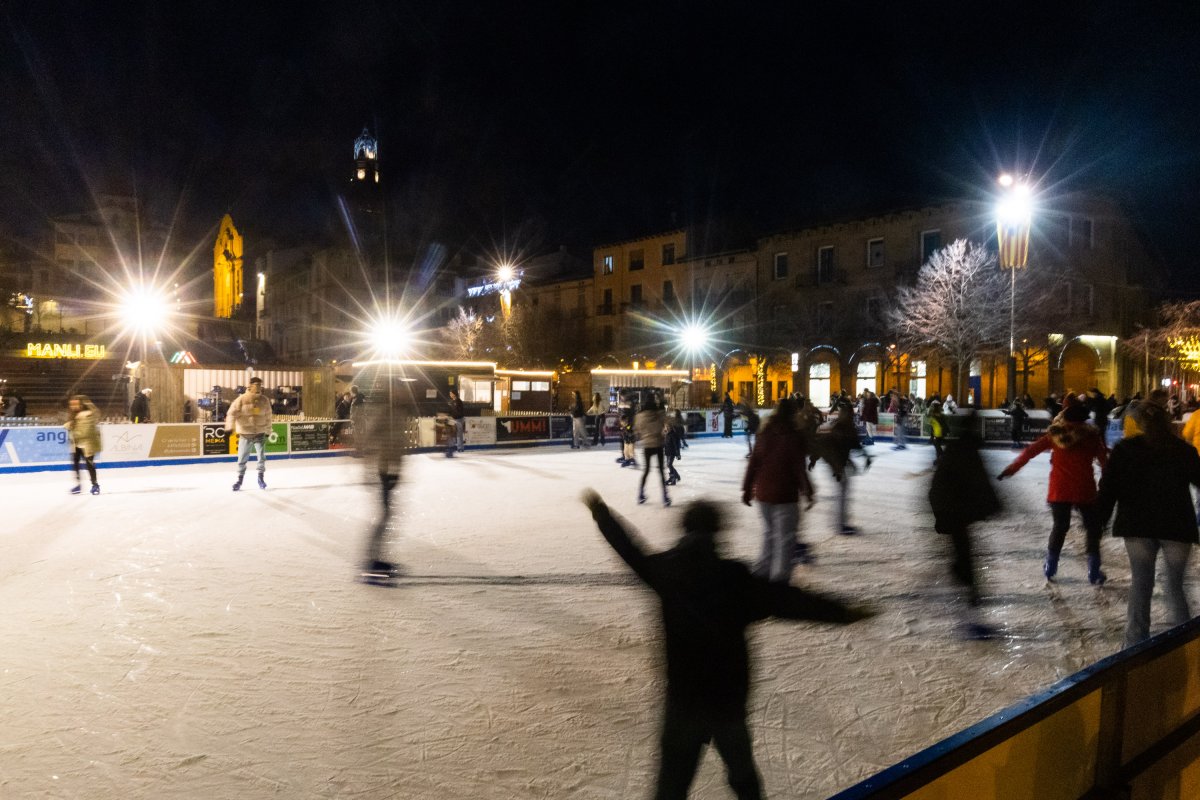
{"points": [[1014, 244]]}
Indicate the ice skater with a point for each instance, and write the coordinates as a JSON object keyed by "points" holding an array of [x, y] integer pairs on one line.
{"points": [[579, 438], [836, 446], [676, 440], [457, 438], [776, 477], [707, 603], [961, 494], [1073, 446], [84, 433], [650, 423], [751, 420], [386, 444], [250, 415], [597, 411]]}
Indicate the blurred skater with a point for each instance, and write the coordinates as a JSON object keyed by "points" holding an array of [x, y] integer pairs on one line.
{"points": [[727, 414], [456, 442], [961, 494], [776, 477], [649, 424], [385, 446], [1147, 481], [707, 603], [598, 411], [628, 436], [1073, 446], [676, 435], [83, 430], [937, 430], [837, 446]]}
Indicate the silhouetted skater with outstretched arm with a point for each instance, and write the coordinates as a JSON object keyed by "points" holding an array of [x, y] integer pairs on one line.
{"points": [[707, 602]]}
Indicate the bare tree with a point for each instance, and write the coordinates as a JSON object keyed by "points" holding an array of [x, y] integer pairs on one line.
{"points": [[958, 306], [463, 333], [1175, 339]]}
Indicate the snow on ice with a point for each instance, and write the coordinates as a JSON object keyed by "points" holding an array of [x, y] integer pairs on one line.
{"points": [[170, 638]]}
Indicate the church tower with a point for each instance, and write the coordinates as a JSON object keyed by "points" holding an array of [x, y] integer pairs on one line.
{"points": [[366, 158], [227, 270]]}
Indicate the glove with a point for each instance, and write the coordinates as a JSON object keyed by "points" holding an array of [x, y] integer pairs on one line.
{"points": [[746, 497]]}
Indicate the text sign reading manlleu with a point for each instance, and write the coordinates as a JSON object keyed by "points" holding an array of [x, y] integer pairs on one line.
{"points": [[33, 350]]}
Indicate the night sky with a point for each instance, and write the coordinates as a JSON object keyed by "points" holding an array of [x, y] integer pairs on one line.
{"points": [[526, 126]]}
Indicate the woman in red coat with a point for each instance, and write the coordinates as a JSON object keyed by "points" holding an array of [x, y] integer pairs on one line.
{"points": [[1073, 446]]}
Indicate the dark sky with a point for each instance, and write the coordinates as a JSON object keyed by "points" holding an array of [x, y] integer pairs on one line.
{"points": [[578, 123]]}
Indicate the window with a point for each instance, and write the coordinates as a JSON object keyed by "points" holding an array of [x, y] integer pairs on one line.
{"points": [[781, 266], [608, 265], [818, 384], [867, 376], [540, 386], [916, 379], [635, 294], [824, 316], [825, 265], [668, 254], [668, 291], [875, 252], [608, 301], [475, 390], [637, 260], [931, 242], [1080, 299], [1081, 232], [520, 386]]}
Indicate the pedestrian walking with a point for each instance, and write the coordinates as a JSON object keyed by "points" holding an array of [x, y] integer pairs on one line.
{"points": [[961, 494], [776, 477], [1147, 481], [83, 432], [139, 409], [457, 438], [649, 424], [707, 602], [727, 413], [578, 423], [870, 414], [676, 436], [250, 416], [1073, 446], [597, 413]]}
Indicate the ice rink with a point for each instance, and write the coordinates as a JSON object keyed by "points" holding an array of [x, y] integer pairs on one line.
{"points": [[169, 638]]}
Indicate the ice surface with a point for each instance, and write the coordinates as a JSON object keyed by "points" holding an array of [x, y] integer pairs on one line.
{"points": [[170, 638]]}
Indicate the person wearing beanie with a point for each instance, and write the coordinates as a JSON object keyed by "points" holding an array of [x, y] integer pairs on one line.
{"points": [[1073, 446], [707, 603]]}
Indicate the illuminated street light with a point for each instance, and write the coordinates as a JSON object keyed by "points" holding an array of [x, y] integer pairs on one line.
{"points": [[1014, 220], [145, 311], [504, 273], [390, 337], [694, 338]]}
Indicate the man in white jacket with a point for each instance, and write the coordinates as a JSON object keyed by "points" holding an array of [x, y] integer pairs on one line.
{"points": [[250, 415]]}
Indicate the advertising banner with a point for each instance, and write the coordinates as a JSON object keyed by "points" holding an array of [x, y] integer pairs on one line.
{"points": [[309, 436], [175, 441], [34, 446], [522, 429], [125, 442], [277, 439], [560, 427], [216, 440], [481, 430]]}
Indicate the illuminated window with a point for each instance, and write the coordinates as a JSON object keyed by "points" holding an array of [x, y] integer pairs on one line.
{"points": [[475, 390], [818, 384], [377, 177], [931, 242], [362, 173], [540, 386], [520, 386], [867, 372], [608, 265], [916, 379]]}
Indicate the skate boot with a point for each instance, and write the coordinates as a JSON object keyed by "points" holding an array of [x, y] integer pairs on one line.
{"points": [[802, 554], [95, 488], [641, 499], [666, 501], [237, 487], [1050, 565], [77, 490], [1096, 576], [262, 484], [848, 530]]}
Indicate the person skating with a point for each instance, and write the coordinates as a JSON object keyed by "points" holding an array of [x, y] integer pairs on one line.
{"points": [[250, 416], [776, 477], [386, 444], [628, 436], [578, 422], [139, 409], [83, 431], [836, 446], [649, 424], [673, 445], [458, 421], [937, 429], [727, 414], [1073, 446], [1018, 414], [900, 407], [598, 411], [961, 494], [1147, 480], [870, 414], [707, 603], [751, 421]]}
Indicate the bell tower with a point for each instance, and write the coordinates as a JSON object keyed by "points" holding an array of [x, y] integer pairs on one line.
{"points": [[366, 158], [227, 270]]}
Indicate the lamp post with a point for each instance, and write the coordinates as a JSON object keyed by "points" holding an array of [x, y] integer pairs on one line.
{"points": [[1014, 218], [695, 341]]}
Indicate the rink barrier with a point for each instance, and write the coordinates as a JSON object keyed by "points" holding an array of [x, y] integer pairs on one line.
{"points": [[1126, 727]]}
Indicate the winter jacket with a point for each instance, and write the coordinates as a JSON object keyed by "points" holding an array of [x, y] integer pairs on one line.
{"points": [[649, 427], [870, 409], [577, 409], [139, 409], [707, 603], [598, 409], [251, 414], [456, 408], [776, 472], [961, 492], [1191, 430], [1073, 446], [937, 424], [1147, 482], [84, 431], [674, 440]]}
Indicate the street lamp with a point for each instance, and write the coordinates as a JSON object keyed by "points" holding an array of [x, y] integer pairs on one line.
{"points": [[1014, 219], [694, 338], [390, 337]]}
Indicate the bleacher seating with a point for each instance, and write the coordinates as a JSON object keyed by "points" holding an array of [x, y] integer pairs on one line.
{"points": [[47, 383]]}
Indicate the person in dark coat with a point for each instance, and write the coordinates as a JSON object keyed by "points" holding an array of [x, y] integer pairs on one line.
{"points": [[457, 436], [961, 494], [870, 414], [139, 409], [707, 603], [751, 421], [1018, 414], [676, 436], [1147, 481], [776, 477], [727, 413]]}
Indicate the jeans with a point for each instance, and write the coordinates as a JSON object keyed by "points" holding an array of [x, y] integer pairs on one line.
{"points": [[780, 523], [1142, 555], [259, 442], [598, 430], [900, 435], [647, 454], [685, 733], [1092, 525], [457, 436], [870, 426], [579, 432]]}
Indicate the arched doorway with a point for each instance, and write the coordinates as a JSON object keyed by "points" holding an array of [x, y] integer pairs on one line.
{"points": [[1077, 365], [823, 378]]}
